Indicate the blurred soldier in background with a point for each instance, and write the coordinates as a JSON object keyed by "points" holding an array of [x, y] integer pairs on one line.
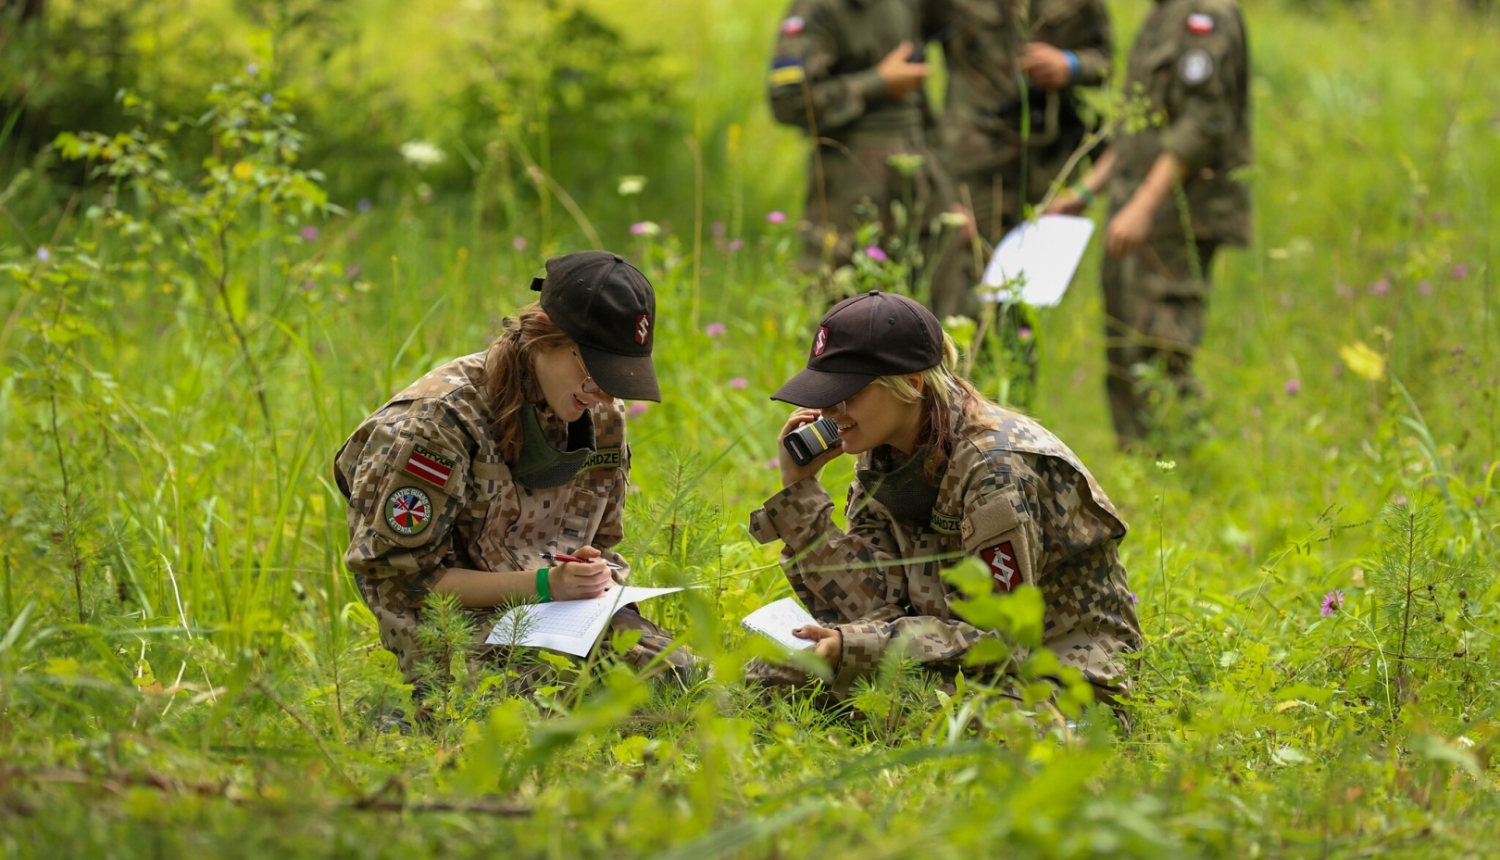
{"points": [[1174, 198], [1012, 119], [849, 73]]}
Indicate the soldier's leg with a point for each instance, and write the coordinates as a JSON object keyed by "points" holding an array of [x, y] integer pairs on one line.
{"points": [[647, 654], [1175, 278]]}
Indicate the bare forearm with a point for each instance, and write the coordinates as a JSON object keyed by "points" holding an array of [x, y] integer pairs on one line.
{"points": [[478, 589], [1164, 174], [1099, 173]]}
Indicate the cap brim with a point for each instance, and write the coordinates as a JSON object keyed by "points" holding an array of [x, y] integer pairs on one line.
{"points": [[628, 377], [820, 389]]}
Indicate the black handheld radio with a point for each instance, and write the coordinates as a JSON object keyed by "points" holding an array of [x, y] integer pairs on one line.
{"points": [[810, 441]]}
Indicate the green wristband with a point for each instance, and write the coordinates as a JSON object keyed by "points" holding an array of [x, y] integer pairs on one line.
{"points": [[1083, 193], [543, 586]]}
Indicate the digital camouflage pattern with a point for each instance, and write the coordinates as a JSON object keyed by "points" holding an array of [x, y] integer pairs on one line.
{"points": [[823, 80], [1191, 61], [479, 518], [982, 139], [1012, 495]]}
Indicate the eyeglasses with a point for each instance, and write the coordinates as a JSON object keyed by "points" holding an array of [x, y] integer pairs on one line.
{"points": [[589, 385]]}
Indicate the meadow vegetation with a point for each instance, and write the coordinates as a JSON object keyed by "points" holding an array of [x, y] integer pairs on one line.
{"points": [[206, 284]]}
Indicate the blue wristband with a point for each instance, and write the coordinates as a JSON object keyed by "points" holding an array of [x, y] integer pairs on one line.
{"points": [[1073, 67]]}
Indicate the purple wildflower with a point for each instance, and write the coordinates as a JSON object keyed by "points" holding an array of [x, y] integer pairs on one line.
{"points": [[1023, 333], [1380, 287], [364, 204], [772, 463], [43, 254], [739, 382], [1424, 287], [643, 228], [1332, 602], [252, 70], [736, 245], [876, 253], [266, 99], [310, 233], [1478, 501], [777, 217], [716, 228], [1293, 386], [637, 408], [1460, 270], [715, 329], [1133, 598], [519, 243]]}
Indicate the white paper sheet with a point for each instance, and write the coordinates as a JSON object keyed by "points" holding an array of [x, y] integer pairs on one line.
{"points": [[777, 620], [570, 626], [1046, 252]]}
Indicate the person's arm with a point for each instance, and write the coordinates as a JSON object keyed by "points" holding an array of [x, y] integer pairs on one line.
{"points": [[1077, 51], [805, 92], [480, 589], [1132, 224], [1075, 199]]}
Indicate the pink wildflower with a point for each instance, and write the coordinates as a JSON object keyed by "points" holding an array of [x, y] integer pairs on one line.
{"points": [[714, 329], [310, 233], [1460, 270], [739, 382], [637, 408], [876, 253], [736, 244], [519, 243], [777, 217], [1332, 602], [1293, 386], [1424, 287]]}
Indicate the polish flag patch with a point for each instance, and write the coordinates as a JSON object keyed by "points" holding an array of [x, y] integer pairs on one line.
{"points": [[792, 26], [1200, 24], [1004, 570], [430, 466], [820, 343]]}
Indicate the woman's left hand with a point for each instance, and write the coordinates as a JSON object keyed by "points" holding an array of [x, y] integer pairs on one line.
{"points": [[830, 645]]}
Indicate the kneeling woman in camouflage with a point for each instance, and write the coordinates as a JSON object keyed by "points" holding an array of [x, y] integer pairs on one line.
{"points": [[463, 482], [942, 473]]}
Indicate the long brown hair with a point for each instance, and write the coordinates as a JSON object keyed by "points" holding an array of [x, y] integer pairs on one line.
{"points": [[509, 380]]}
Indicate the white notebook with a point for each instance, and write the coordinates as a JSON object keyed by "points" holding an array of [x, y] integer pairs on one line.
{"points": [[777, 620], [571, 626], [1046, 252]]}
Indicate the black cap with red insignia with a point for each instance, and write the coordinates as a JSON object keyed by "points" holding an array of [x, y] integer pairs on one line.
{"points": [[609, 309]]}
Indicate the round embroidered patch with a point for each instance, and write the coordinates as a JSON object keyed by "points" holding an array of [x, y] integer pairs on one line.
{"points": [[1195, 66], [408, 511]]}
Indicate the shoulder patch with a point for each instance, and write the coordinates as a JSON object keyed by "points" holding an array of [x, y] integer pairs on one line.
{"points": [[408, 511], [1199, 24], [793, 26], [1195, 66], [1005, 569], [429, 465]]}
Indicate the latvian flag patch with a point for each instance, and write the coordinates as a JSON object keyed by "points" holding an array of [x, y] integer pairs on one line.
{"points": [[430, 466]]}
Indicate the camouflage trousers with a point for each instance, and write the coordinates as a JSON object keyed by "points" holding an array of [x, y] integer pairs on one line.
{"points": [[859, 180], [1154, 301]]}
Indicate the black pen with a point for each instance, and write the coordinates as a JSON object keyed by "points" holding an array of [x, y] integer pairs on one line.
{"points": [[557, 558]]}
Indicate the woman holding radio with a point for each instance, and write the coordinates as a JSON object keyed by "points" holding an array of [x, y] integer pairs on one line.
{"points": [[500, 477], [942, 473]]}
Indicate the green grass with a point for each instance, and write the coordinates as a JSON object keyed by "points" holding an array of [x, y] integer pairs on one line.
{"points": [[208, 540]]}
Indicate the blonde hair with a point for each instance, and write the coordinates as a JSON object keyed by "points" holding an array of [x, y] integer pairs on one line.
{"points": [[941, 387], [509, 378]]}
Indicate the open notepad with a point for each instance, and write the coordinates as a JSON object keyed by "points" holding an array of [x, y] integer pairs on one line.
{"points": [[778, 620], [571, 626], [1043, 253]]}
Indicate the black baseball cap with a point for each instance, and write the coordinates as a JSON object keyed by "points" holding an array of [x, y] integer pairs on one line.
{"points": [[609, 309], [860, 339]]}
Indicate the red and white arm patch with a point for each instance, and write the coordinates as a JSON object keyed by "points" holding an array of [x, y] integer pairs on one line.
{"points": [[1005, 569], [429, 465]]}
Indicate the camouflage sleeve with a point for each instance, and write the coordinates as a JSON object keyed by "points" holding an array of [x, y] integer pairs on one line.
{"points": [[406, 488], [840, 577], [1095, 48], [802, 86], [1203, 100], [612, 525]]}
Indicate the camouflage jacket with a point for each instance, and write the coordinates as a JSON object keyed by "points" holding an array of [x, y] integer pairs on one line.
{"points": [[824, 67], [1191, 61], [428, 491], [983, 40], [1016, 497]]}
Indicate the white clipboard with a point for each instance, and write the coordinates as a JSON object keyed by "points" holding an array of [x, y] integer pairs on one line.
{"points": [[1044, 253]]}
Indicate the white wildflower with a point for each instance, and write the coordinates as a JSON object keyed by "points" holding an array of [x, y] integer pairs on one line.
{"points": [[422, 154]]}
